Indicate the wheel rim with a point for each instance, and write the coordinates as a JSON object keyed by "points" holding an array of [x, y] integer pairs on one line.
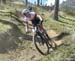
{"points": [[41, 47]]}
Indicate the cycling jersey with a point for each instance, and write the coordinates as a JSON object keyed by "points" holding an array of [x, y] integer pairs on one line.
{"points": [[34, 18]]}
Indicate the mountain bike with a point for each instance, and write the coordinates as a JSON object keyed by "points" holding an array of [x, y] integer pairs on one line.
{"points": [[42, 43]]}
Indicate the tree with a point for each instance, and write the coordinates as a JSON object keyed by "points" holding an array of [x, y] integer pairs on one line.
{"points": [[35, 2], [26, 2], [56, 9], [38, 1], [41, 2], [0, 1]]}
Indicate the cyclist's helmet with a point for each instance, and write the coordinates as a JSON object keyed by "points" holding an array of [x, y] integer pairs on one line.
{"points": [[25, 11]]}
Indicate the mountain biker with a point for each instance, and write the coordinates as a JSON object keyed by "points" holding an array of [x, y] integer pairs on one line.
{"points": [[34, 18]]}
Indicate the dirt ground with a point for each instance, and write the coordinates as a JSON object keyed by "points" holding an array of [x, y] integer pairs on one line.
{"points": [[52, 34], [28, 52]]}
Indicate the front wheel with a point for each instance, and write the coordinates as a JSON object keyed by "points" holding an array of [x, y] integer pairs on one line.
{"points": [[40, 44]]}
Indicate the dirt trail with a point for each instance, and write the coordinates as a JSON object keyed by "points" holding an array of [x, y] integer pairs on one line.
{"points": [[52, 34], [28, 52]]}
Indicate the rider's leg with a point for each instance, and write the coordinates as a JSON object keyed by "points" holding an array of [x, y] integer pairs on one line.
{"points": [[42, 28]]}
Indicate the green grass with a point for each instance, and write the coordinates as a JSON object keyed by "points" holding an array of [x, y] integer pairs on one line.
{"points": [[65, 23], [3, 57], [4, 27]]}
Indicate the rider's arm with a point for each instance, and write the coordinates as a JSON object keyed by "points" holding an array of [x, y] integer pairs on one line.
{"points": [[39, 17], [41, 20], [25, 21]]}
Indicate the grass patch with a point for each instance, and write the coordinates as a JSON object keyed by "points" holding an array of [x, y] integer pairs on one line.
{"points": [[4, 27], [65, 23]]}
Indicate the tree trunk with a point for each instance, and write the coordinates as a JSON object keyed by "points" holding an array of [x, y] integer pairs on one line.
{"points": [[38, 1], [56, 9], [0, 1], [26, 2], [41, 2]]}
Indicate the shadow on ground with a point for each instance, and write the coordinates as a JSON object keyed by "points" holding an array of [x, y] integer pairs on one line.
{"points": [[61, 35], [9, 40]]}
